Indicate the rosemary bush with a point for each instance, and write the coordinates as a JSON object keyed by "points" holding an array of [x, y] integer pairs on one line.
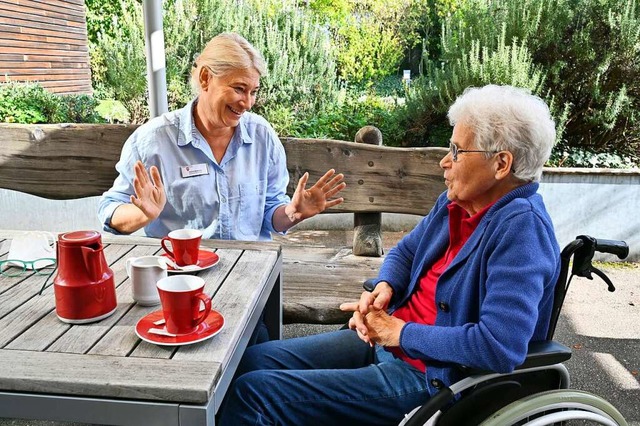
{"points": [[301, 72], [443, 80], [582, 56]]}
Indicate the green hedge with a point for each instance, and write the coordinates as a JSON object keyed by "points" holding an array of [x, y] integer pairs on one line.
{"points": [[582, 56], [301, 66], [29, 103]]}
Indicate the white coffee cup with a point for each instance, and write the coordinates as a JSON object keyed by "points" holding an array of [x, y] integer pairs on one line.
{"points": [[145, 272]]}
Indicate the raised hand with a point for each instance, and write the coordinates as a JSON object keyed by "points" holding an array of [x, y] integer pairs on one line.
{"points": [[149, 196], [306, 203]]}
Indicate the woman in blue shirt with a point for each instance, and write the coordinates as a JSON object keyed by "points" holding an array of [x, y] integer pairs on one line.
{"points": [[212, 165]]}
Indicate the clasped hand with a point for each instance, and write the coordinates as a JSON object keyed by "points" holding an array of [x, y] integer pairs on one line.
{"points": [[370, 318]]}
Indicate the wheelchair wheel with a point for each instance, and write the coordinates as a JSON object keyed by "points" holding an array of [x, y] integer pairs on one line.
{"points": [[557, 407]]}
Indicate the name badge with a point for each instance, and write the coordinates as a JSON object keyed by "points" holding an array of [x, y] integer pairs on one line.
{"points": [[194, 170]]}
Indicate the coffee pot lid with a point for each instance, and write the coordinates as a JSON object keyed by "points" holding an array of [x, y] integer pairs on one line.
{"points": [[79, 238]]}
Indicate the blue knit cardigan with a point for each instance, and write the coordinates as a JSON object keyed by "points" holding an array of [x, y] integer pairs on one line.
{"points": [[493, 299]]}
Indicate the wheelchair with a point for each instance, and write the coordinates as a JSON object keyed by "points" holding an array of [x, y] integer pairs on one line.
{"points": [[537, 392]]}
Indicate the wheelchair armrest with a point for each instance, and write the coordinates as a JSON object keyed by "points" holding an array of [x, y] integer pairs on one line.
{"points": [[370, 284], [540, 353], [545, 353]]}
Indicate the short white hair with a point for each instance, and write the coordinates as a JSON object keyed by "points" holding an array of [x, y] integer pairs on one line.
{"points": [[505, 118]]}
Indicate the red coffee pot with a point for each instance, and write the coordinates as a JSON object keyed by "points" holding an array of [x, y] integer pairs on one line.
{"points": [[84, 286]]}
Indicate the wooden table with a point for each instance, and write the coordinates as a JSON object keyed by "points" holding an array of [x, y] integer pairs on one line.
{"points": [[102, 372]]}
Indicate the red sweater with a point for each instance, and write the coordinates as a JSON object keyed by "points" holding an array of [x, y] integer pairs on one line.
{"points": [[421, 307]]}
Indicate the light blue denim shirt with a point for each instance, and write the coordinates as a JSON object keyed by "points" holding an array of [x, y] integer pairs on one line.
{"points": [[233, 200]]}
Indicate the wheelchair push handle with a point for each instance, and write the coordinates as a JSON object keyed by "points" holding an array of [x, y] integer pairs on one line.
{"points": [[617, 247], [585, 247]]}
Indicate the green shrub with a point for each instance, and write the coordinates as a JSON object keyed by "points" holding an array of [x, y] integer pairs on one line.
{"points": [[582, 56], [113, 111], [563, 156], [121, 55], [371, 37], [341, 120], [424, 119], [30, 103], [24, 103], [301, 74]]}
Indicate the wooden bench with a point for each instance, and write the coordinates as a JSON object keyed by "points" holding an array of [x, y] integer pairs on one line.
{"points": [[75, 161]]}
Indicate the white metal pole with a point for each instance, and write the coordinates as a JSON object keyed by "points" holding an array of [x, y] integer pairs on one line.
{"points": [[156, 65]]}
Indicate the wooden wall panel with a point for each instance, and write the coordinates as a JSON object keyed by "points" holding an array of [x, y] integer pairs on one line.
{"points": [[45, 41]]}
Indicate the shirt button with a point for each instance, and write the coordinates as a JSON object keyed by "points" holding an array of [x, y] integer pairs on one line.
{"points": [[223, 199], [437, 383], [444, 307]]}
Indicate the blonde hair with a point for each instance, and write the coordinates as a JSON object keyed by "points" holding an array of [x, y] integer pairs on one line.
{"points": [[225, 53]]}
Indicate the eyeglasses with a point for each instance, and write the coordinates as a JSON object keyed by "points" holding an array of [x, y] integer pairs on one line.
{"points": [[454, 150], [16, 267]]}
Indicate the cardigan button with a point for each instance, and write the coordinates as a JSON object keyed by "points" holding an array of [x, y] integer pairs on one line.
{"points": [[437, 383], [444, 307]]}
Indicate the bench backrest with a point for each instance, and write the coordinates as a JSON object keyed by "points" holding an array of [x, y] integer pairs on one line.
{"points": [[74, 161]]}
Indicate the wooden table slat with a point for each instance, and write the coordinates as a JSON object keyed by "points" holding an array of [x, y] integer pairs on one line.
{"points": [[111, 377], [4, 246]]}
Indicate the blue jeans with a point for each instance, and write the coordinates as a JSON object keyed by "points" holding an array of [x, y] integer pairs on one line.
{"points": [[330, 378]]}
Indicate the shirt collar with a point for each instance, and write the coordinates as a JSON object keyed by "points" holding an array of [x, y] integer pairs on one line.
{"points": [[244, 134], [187, 128], [461, 225], [189, 133]]}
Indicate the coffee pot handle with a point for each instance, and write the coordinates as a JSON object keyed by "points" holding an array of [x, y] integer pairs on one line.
{"points": [[92, 262]]}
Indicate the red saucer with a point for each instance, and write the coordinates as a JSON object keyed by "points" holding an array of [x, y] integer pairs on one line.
{"points": [[205, 330], [206, 259]]}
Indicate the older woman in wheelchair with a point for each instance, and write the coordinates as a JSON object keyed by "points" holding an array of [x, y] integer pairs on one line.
{"points": [[472, 285]]}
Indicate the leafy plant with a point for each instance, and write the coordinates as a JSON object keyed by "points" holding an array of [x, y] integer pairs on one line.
{"points": [[29, 103], [445, 79], [123, 53], [300, 71], [371, 37], [581, 56], [23, 103], [564, 156], [341, 120], [113, 111]]}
